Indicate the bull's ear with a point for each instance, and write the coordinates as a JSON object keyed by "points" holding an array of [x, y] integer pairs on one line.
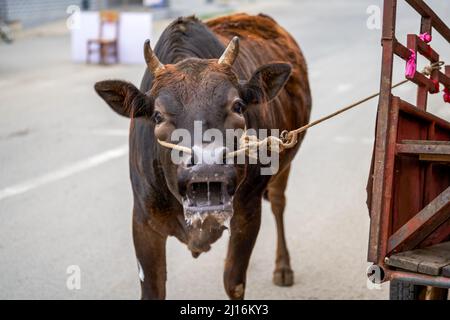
{"points": [[266, 82], [124, 98]]}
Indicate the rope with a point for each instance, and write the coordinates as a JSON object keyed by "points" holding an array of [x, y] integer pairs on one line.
{"points": [[288, 139], [175, 146]]}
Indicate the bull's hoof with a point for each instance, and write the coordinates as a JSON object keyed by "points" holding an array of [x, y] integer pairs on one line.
{"points": [[283, 277], [237, 292]]}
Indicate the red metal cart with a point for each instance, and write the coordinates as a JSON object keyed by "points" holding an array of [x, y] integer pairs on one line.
{"points": [[409, 184]]}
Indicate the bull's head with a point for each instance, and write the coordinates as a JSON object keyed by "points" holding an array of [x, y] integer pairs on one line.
{"points": [[191, 94]]}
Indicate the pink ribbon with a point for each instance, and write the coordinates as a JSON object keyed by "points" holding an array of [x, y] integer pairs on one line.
{"points": [[436, 86], [447, 95], [426, 37], [410, 69]]}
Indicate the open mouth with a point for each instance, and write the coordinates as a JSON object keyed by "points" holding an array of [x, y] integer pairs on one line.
{"points": [[206, 197]]}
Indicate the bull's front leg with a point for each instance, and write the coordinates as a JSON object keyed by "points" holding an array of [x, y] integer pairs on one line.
{"points": [[150, 247], [244, 230]]}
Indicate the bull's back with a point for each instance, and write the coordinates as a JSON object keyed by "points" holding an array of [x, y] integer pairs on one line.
{"points": [[261, 37]]}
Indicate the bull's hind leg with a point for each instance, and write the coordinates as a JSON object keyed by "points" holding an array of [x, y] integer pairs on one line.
{"points": [[283, 274]]}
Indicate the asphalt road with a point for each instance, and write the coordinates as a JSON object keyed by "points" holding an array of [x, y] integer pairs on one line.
{"points": [[65, 196]]}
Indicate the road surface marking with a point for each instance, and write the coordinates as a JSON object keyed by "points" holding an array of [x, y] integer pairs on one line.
{"points": [[63, 172]]}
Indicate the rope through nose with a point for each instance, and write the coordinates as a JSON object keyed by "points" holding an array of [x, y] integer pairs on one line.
{"points": [[175, 146]]}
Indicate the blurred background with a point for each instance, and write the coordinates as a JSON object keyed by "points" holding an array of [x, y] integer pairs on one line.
{"points": [[65, 196]]}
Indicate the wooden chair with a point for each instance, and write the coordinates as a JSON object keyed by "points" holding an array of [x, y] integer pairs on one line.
{"points": [[106, 47]]}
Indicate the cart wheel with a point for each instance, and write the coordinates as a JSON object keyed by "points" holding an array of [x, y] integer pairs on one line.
{"points": [[400, 290]]}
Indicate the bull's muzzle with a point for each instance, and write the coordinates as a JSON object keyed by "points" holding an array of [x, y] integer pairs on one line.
{"points": [[207, 191]]}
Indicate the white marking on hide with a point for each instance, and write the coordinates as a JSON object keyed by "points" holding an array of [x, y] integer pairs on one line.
{"points": [[141, 272]]}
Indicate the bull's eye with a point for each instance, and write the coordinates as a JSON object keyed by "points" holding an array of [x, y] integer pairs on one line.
{"points": [[238, 106], [158, 117]]}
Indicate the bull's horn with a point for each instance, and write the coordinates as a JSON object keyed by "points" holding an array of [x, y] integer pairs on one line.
{"points": [[153, 63], [231, 52]]}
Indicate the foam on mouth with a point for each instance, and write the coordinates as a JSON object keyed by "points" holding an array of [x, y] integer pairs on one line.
{"points": [[196, 215]]}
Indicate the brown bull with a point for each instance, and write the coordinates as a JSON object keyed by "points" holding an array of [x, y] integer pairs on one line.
{"points": [[259, 82]]}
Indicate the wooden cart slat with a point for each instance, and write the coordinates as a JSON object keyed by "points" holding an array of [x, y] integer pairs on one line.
{"points": [[428, 219], [425, 147], [434, 260], [446, 271], [427, 150]]}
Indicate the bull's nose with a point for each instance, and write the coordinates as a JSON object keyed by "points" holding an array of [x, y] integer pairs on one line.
{"points": [[207, 155]]}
